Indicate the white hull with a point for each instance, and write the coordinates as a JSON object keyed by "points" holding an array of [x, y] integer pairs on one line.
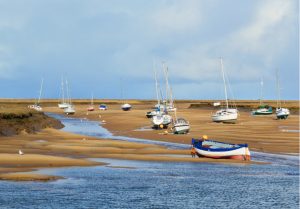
{"points": [[225, 115], [181, 128], [237, 152], [70, 110], [126, 107], [282, 112], [63, 105], [164, 120]]}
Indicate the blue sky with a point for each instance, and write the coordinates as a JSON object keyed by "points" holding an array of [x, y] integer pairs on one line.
{"points": [[97, 43]]}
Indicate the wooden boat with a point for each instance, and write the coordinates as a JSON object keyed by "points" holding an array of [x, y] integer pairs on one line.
{"points": [[221, 150]]}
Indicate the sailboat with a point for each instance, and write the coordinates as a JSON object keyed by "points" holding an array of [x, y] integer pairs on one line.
{"points": [[91, 107], [125, 106], [263, 109], [37, 105], [158, 107], [70, 109], [169, 97], [63, 103], [180, 125], [281, 113], [226, 114], [161, 118]]}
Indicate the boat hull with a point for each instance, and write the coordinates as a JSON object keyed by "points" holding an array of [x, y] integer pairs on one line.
{"points": [[181, 129], [216, 151], [126, 107], [225, 116], [63, 105], [161, 121], [282, 113]]}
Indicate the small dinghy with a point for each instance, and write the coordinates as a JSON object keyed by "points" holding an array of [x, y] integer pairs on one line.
{"points": [[126, 107], [70, 110], [102, 107], [221, 150], [282, 113]]}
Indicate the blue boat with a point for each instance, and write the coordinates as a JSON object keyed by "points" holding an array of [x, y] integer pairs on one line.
{"points": [[217, 150], [102, 107]]}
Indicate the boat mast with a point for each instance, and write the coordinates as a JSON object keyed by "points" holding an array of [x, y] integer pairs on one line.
{"points": [[62, 90], [92, 102], [167, 82], [223, 76], [40, 92], [156, 84], [278, 90], [261, 90], [68, 95]]}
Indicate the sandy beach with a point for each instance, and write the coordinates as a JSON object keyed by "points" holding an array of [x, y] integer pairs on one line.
{"points": [[262, 133], [55, 148]]}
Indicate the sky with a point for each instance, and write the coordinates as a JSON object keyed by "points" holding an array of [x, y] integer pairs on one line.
{"points": [[106, 47]]}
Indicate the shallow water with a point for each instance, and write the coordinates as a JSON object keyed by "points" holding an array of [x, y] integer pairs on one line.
{"points": [[159, 185]]}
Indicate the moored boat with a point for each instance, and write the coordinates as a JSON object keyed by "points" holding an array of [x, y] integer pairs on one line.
{"points": [[181, 126], [102, 107], [282, 113], [70, 110], [126, 107], [161, 120], [221, 150], [225, 115], [263, 110]]}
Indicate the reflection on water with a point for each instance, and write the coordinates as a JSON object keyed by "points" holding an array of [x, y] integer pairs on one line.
{"points": [[159, 185]]}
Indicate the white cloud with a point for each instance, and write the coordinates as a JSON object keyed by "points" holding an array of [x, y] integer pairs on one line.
{"points": [[177, 16]]}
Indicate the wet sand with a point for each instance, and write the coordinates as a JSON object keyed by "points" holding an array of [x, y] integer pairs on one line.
{"points": [[54, 148], [262, 133]]}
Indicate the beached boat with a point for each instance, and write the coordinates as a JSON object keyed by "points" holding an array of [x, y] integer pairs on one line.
{"points": [[215, 149], [37, 105], [91, 106], [161, 120], [226, 114], [263, 109], [102, 107], [126, 107], [70, 109], [181, 126], [63, 104], [281, 113]]}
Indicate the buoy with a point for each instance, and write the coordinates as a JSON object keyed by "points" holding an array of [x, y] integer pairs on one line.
{"points": [[165, 132], [20, 152], [161, 125]]}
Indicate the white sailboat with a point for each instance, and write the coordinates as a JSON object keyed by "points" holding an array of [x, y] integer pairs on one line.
{"points": [[70, 109], [37, 105], [281, 113], [91, 106], [169, 97], [158, 107], [226, 114], [63, 104], [180, 125]]}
